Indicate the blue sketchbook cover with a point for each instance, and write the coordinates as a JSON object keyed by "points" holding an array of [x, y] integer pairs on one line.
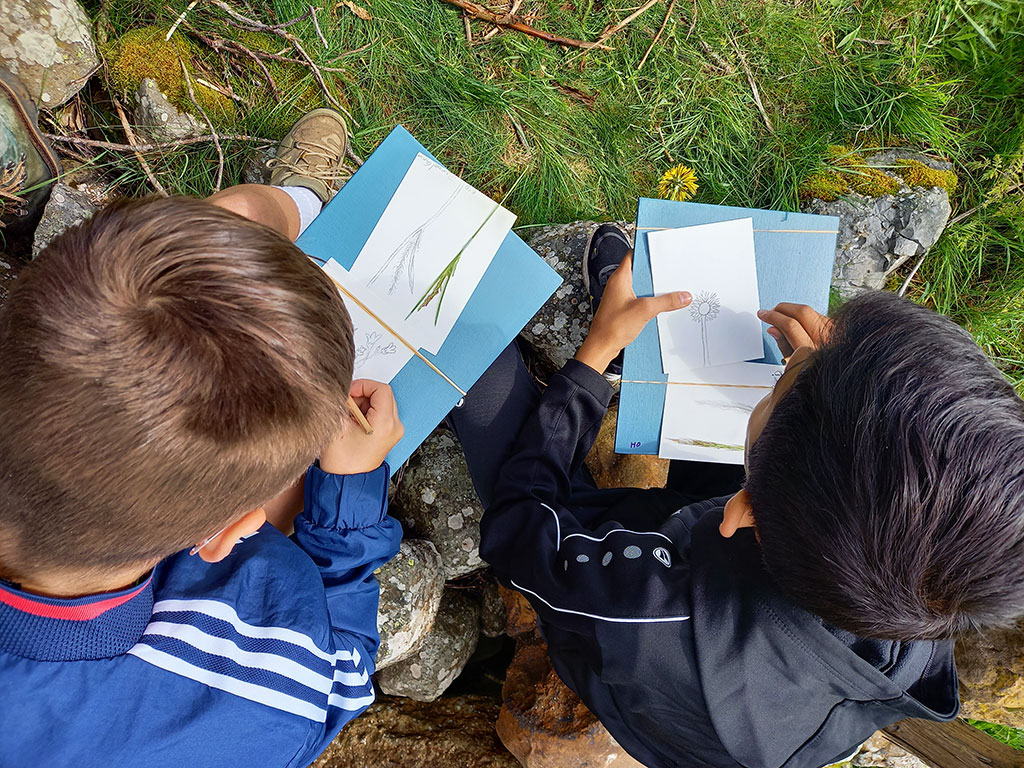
{"points": [[513, 288], [793, 253]]}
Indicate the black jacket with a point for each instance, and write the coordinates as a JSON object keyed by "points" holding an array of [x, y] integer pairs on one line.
{"points": [[675, 637]]}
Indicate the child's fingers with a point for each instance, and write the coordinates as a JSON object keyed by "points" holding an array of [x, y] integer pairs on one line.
{"points": [[789, 326], [655, 305]]}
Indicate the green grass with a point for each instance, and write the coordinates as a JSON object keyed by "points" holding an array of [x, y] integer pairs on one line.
{"points": [[1013, 737], [589, 132]]}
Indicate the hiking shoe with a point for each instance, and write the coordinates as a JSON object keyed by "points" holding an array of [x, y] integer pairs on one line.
{"points": [[606, 248], [27, 164], [312, 153]]}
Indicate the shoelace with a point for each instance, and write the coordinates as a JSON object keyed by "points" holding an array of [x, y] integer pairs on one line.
{"points": [[316, 160], [12, 179]]}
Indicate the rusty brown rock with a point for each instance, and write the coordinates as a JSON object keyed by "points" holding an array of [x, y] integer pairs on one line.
{"points": [[991, 671], [519, 615], [402, 733], [544, 724], [616, 470]]}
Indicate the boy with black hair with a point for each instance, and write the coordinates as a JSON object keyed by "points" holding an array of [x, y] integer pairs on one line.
{"points": [[782, 622], [169, 368]]}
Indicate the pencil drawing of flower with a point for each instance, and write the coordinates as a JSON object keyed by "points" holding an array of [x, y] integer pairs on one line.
{"points": [[703, 310]]}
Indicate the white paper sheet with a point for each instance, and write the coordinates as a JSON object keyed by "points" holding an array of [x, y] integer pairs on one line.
{"points": [[715, 263], [704, 420], [379, 355], [433, 219]]}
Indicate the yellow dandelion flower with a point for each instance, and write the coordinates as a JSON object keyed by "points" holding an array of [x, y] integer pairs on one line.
{"points": [[679, 183]]}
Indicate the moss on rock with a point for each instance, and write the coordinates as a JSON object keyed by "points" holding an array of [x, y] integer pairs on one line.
{"points": [[917, 174], [144, 52], [848, 172]]}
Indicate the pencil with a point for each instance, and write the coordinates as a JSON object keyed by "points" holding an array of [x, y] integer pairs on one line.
{"points": [[358, 416]]}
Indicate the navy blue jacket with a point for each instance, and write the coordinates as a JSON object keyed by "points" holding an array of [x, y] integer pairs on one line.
{"points": [[675, 637], [257, 660]]}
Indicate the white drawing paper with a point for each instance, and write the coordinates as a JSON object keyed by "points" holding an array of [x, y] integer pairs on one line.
{"points": [[430, 249], [705, 418], [715, 263], [379, 354]]}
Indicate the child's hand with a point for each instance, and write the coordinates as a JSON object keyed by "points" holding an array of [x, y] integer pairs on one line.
{"points": [[353, 451], [621, 316], [796, 325]]}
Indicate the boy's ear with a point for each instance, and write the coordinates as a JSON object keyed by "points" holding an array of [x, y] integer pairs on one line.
{"points": [[738, 514], [221, 546]]}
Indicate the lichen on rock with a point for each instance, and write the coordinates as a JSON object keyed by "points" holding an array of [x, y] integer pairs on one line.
{"points": [[411, 585], [442, 654], [48, 45], [436, 501]]}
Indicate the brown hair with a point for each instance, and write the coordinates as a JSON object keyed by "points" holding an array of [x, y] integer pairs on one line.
{"points": [[164, 368]]}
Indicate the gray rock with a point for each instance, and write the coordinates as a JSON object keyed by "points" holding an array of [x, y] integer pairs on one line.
{"points": [[436, 501], [48, 45], [255, 170], [559, 327], [158, 119], [876, 235], [493, 618], [67, 207], [411, 584], [442, 655]]}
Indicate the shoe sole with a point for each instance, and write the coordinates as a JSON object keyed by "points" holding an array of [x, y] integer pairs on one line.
{"points": [[586, 261], [26, 111]]}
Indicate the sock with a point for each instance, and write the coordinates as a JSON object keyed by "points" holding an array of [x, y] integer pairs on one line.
{"points": [[307, 202]]}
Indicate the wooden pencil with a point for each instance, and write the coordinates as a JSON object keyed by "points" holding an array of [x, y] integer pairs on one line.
{"points": [[358, 416]]}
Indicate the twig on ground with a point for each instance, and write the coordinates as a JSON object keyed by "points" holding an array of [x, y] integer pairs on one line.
{"points": [[753, 85], [654, 42], [872, 42], [512, 9], [152, 147], [353, 156], [520, 133], [181, 18], [510, 21], [223, 47], [278, 29], [693, 21], [132, 146], [222, 91], [613, 29], [209, 122], [469, 29], [718, 59], [316, 26], [906, 283]]}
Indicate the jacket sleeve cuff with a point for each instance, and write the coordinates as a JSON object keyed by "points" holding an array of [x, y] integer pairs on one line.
{"points": [[587, 378], [346, 502]]}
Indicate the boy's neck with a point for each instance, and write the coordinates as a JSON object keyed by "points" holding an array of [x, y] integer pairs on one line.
{"points": [[69, 584]]}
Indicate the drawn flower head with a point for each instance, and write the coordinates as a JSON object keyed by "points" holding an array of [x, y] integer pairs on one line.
{"points": [[679, 183], [705, 307]]}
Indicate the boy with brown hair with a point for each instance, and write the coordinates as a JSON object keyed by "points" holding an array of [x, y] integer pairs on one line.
{"points": [[169, 368]]}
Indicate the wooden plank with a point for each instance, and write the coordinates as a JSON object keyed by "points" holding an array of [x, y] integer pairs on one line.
{"points": [[953, 745]]}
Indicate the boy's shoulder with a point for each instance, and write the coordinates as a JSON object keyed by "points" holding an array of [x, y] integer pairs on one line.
{"points": [[266, 583]]}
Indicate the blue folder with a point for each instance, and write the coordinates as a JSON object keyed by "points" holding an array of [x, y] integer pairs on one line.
{"points": [[513, 288], [793, 253]]}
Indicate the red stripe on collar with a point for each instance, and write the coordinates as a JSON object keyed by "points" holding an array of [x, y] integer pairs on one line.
{"points": [[74, 611]]}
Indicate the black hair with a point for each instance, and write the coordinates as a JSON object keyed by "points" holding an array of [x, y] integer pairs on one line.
{"points": [[888, 485]]}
